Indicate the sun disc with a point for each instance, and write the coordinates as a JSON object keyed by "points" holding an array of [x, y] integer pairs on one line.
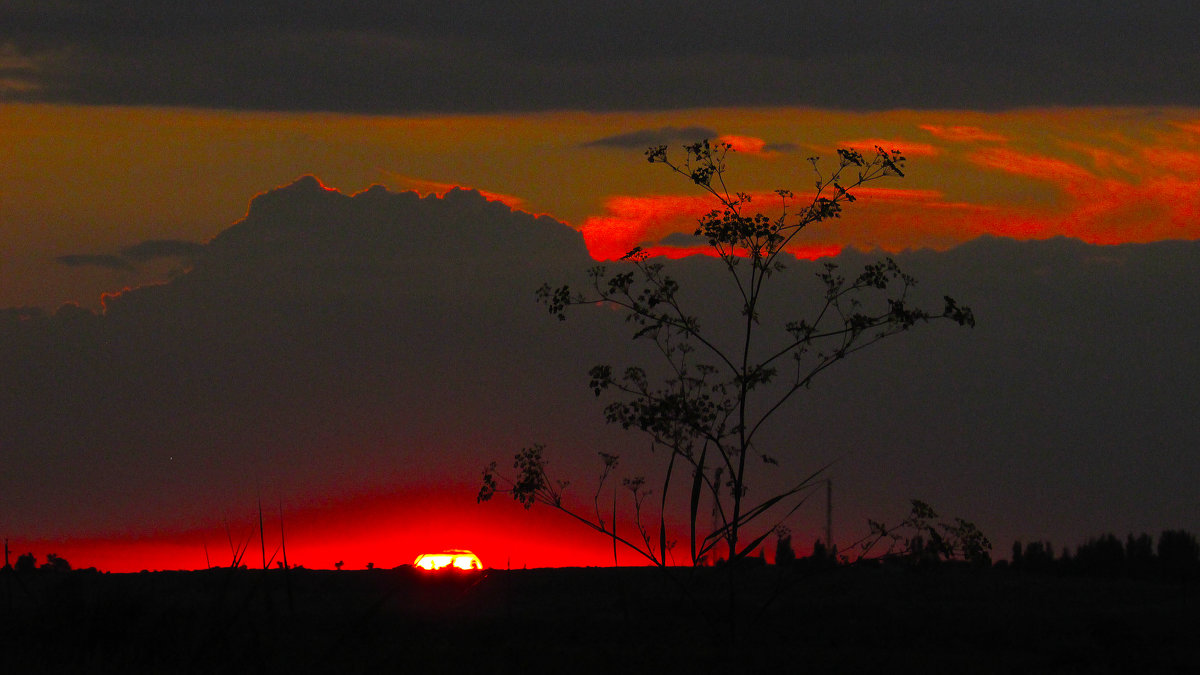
{"points": [[454, 558]]}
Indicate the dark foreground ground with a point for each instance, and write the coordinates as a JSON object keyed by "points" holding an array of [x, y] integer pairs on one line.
{"points": [[850, 620]]}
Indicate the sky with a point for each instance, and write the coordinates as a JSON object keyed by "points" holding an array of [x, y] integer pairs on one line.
{"points": [[285, 252]]}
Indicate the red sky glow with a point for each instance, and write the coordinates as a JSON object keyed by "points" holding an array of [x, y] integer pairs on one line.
{"points": [[81, 185]]}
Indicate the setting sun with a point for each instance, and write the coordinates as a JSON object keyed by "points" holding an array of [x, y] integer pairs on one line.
{"points": [[460, 559]]}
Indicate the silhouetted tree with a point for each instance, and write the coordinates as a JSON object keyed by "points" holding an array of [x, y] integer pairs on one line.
{"points": [[338, 565], [26, 562], [1179, 553], [1139, 552], [1101, 554], [55, 563], [1037, 556], [1065, 558], [707, 415], [784, 555], [821, 556]]}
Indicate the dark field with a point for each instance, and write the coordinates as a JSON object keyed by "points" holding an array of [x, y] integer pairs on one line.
{"points": [[887, 619]]}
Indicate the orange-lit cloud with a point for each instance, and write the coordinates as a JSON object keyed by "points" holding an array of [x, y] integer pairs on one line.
{"points": [[906, 148], [963, 133], [748, 145], [1103, 187], [631, 221], [1152, 192], [891, 218], [426, 187], [92, 179]]}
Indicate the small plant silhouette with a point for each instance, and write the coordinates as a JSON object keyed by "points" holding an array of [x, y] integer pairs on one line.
{"points": [[920, 539]]}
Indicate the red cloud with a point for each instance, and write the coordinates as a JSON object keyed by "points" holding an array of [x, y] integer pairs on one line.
{"points": [[883, 217], [1153, 194], [906, 148], [632, 221], [747, 145], [1112, 188], [963, 133]]}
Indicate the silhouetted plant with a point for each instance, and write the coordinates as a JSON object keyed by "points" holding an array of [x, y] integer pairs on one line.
{"points": [[918, 538], [707, 415], [338, 565], [26, 562]]}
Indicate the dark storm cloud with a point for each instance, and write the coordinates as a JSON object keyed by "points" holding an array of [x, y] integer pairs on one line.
{"points": [[330, 344], [112, 262], [489, 56], [644, 138]]}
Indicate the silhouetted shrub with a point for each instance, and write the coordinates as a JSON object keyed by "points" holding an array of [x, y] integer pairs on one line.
{"points": [[26, 562], [55, 563]]}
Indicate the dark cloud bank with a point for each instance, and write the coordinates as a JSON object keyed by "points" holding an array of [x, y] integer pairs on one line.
{"points": [[483, 56], [330, 345]]}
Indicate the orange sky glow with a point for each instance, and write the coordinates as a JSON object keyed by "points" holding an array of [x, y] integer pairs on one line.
{"points": [[94, 179]]}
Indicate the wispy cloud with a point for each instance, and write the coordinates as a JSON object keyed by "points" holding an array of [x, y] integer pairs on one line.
{"points": [[112, 262], [161, 248], [644, 138], [964, 133], [129, 257], [904, 147], [751, 145]]}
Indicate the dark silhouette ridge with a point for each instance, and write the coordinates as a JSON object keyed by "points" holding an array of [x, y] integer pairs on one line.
{"points": [[597, 620]]}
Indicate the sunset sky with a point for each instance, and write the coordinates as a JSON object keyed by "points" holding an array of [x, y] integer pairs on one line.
{"points": [[358, 377]]}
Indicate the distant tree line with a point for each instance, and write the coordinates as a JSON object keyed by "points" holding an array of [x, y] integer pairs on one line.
{"points": [[1177, 553], [27, 563]]}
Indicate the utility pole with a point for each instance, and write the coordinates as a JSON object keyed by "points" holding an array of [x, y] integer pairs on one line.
{"points": [[829, 513]]}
